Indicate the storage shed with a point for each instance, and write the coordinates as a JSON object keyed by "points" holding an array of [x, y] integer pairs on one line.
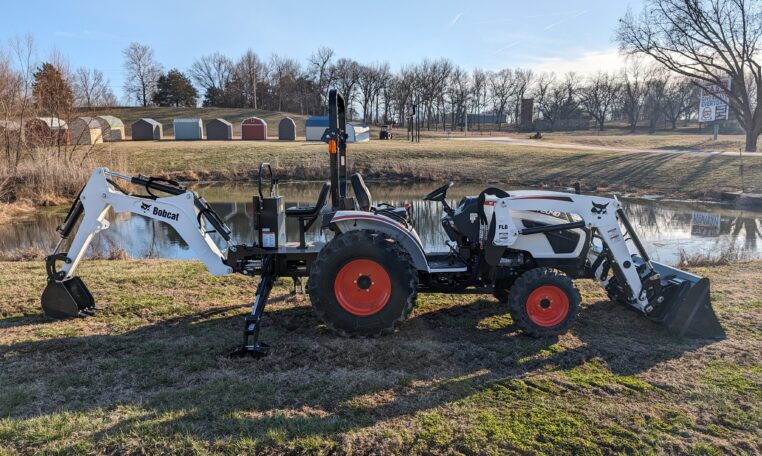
{"points": [[287, 129], [85, 130], [254, 128], [315, 127], [188, 129], [112, 128], [219, 129], [47, 131], [10, 134], [358, 132], [147, 130]]}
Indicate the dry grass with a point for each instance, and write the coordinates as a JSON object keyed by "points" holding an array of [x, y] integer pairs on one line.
{"points": [[727, 254], [441, 159], [149, 374], [680, 139], [45, 179]]}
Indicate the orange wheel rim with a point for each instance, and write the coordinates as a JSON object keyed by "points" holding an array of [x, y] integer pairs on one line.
{"points": [[362, 287], [547, 306]]}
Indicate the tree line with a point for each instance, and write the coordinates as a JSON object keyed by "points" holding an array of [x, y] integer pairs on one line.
{"points": [[443, 92], [675, 47]]}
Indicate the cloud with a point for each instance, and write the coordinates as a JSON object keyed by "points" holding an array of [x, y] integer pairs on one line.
{"points": [[456, 19], [586, 62]]}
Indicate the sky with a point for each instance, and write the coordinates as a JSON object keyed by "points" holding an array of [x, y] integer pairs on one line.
{"points": [[552, 35]]}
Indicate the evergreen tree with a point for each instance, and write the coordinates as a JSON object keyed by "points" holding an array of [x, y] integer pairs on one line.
{"points": [[175, 89], [51, 91]]}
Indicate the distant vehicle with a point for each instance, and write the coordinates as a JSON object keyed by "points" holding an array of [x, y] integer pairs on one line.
{"points": [[385, 132]]}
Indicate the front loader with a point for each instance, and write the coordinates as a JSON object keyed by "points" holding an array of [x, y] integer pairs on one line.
{"points": [[525, 247]]}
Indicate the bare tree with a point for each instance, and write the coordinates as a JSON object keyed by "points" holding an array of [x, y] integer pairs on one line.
{"points": [[283, 72], [523, 80], [248, 70], [556, 99], [320, 68], [633, 91], [346, 74], [705, 40], [91, 88], [478, 93], [212, 72], [680, 99], [598, 96], [143, 72], [653, 105], [501, 86]]}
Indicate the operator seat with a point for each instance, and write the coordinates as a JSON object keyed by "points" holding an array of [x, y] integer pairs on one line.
{"points": [[308, 214], [365, 202]]}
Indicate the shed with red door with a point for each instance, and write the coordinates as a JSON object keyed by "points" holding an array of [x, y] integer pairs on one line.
{"points": [[254, 128]]}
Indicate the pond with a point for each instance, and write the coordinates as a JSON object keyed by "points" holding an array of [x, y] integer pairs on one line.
{"points": [[665, 227]]}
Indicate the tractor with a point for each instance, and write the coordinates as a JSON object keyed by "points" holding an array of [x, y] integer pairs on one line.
{"points": [[526, 247]]}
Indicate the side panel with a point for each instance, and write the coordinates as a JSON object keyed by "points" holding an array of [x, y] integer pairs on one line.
{"points": [[347, 221]]}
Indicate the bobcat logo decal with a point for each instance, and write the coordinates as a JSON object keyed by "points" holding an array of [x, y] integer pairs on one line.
{"points": [[145, 207], [599, 208]]}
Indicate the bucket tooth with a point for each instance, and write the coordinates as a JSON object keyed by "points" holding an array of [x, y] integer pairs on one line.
{"points": [[67, 298], [687, 309]]}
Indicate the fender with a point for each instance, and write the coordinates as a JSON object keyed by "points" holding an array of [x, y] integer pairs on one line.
{"points": [[346, 221]]}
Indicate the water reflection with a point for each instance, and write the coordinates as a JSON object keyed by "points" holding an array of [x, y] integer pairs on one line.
{"points": [[665, 228]]}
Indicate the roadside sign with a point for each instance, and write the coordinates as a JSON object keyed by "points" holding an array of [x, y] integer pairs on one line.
{"points": [[713, 104], [705, 224]]}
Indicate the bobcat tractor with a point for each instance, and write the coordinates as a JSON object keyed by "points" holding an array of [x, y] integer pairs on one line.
{"points": [[525, 247]]}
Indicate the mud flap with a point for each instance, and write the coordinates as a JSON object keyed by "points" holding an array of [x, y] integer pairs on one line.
{"points": [[687, 309], [67, 298]]}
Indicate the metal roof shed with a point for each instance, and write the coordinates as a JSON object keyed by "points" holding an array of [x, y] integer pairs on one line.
{"points": [[47, 131], [287, 129], [358, 132], [188, 129], [85, 130], [147, 130], [112, 128], [315, 127], [254, 128], [219, 129]]}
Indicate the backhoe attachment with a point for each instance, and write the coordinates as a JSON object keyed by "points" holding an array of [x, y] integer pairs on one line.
{"points": [[66, 295]]}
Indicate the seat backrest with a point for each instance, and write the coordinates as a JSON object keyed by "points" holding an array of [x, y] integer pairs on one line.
{"points": [[364, 200]]}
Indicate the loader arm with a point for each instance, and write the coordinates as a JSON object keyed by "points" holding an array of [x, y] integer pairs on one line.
{"points": [[667, 295], [192, 218]]}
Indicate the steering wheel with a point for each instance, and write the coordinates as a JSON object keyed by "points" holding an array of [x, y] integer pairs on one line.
{"points": [[439, 194]]}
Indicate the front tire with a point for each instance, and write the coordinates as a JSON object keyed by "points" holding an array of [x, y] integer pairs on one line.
{"points": [[363, 283], [544, 302]]}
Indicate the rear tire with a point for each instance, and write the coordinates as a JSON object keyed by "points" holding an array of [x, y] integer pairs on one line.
{"points": [[363, 283], [544, 302]]}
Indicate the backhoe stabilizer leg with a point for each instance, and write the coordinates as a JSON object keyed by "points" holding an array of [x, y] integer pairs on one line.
{"points": [[251, 345]]}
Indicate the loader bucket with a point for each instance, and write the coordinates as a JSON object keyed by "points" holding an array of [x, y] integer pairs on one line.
{"points": [[68, 298], [687, 310]]}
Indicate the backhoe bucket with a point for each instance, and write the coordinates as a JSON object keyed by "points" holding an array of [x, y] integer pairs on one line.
{"points": [[68, 298], [687, 310]]}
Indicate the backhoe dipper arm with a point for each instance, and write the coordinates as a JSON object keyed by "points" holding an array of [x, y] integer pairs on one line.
{"points": [[184, 210]]}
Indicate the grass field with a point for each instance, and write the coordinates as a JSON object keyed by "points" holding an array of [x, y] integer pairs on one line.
{"points": [[149, 374], [441, 159], [681, 139]]}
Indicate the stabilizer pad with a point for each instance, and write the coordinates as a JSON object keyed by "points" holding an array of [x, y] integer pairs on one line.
{"points": [[66, 299]]}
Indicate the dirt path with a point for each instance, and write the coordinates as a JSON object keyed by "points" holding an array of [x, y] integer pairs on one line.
{"points": [[554, 145]]}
